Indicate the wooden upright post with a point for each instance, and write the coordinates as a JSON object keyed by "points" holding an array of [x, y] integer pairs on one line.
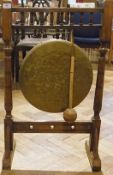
{"points": [[6, 29], [96, 121]]}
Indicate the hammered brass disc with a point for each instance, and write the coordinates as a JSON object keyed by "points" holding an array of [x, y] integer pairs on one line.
{"points": [[45, 73]]}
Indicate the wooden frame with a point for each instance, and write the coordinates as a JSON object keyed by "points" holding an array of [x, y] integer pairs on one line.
{"points": [[10, 126]]}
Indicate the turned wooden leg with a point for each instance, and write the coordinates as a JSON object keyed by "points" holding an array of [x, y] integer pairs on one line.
{"points": [[8, 123], [92, 147]]}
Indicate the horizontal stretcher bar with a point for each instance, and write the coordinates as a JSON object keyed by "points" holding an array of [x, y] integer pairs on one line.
{"points": [[52, 127]]}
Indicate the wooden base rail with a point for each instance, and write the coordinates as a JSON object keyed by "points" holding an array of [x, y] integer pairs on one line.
{"points": [[51, 127]]}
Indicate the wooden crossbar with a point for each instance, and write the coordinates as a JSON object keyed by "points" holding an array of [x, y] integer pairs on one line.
{"points": [[52, 127]]}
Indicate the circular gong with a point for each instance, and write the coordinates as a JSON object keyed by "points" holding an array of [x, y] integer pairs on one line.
{"points": [[45, 75]]}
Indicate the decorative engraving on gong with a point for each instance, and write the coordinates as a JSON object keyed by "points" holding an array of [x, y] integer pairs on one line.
{"points": [[45, 73]]}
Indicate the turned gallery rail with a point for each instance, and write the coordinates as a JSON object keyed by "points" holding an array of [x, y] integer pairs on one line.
{"points": [[61, 13], [57, 20]]}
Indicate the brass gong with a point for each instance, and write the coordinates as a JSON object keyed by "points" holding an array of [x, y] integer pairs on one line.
{"points": [[45, 74]]}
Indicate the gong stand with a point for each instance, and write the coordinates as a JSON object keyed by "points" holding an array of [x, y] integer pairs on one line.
{"points": [[91, 127]]}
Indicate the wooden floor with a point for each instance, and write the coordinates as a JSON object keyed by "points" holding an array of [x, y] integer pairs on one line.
{"points": [[60, 152]]}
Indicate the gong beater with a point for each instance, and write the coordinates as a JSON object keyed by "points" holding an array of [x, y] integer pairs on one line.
{"points": [[45, 76]]}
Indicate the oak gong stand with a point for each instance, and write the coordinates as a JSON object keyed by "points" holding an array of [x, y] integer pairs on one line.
{"points": [[67, 76]]}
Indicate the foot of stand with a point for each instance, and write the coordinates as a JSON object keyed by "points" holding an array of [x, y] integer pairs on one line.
{"points": [[95, 161], [7, 159]]}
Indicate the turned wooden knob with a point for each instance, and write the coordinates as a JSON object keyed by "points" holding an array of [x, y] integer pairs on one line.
{"points": [[69, 115]]}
